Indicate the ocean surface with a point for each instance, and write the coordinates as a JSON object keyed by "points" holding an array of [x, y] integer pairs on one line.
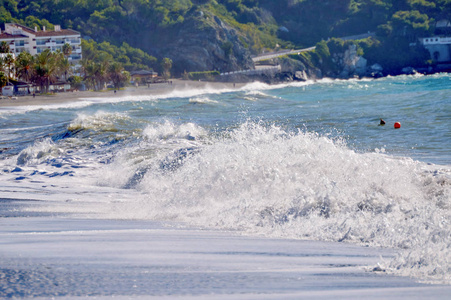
{"points": [[299, 161]]}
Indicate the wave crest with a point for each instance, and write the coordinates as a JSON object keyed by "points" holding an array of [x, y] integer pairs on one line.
{"points": [[265, 180]]}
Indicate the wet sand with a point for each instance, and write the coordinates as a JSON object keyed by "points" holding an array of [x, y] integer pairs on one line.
{"points": [[153, 89]]}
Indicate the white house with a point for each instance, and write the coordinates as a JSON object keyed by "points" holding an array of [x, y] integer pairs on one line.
{"points": [[21, 38], [439, 47]]}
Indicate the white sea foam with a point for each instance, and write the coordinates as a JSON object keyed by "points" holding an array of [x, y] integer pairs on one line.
{"points": [[202, 100], [168, 130], [39, 151], [176, 93], [260, 86], [99, 121], [182, 92], [261, 179], [5, 111], [264, 180]]}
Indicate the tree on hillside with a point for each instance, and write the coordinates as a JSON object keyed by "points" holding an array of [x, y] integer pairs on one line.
{"points": [[131, 58], [410, 23]]}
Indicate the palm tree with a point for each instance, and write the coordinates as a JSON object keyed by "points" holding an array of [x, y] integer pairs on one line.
{"points": [[3, 80], [116, 74], [64, 67], [101, 74], [167, 65], [2, 65], [67, 50], [45, 69], [24, 66], [39, 76], [95, 73], [5, 61], [90, 68], [8, 61]]}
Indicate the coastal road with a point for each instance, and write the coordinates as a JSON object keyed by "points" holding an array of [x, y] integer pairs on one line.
{"points": [[285, 52], [280, 53]]}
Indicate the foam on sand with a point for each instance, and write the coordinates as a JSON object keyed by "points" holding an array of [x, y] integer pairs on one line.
{"points": [[92, 259]]}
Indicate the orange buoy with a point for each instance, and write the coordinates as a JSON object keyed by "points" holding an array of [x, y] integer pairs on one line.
{"points": [[397, 125]]}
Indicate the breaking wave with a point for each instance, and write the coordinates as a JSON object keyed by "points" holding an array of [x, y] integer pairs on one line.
{"points": [[262, 179]]}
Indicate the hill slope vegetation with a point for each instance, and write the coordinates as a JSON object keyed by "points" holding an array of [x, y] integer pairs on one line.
{"points": [[222, 34]]}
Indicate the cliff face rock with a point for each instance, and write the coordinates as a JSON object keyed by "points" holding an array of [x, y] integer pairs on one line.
{"points": [[350, 63], [204, 43]]}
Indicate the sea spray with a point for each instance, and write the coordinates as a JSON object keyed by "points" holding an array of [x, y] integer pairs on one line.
{"points": [[39, 151], [262, 179]]}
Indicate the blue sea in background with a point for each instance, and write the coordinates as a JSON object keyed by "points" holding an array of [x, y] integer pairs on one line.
{"points": [[298, 160], [349, 110]]}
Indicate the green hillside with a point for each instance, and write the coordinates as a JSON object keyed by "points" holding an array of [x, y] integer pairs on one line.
{"points": [[261, 25]]}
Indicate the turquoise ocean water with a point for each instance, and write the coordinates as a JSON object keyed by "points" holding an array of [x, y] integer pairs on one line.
{"points": [[302, 160]]}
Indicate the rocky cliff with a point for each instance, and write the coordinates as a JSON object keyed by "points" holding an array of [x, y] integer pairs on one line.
{"points": [[203, 43]]}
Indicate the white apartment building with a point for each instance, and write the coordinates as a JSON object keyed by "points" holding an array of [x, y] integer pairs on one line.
{"points": [[21, 38]]}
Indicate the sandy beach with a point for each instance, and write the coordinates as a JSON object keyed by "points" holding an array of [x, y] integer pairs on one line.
{"points": [[90, 259], [153, 89]]}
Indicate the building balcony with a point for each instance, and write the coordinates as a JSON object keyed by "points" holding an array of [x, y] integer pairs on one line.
{"points": [[73, 42], [74, 57], [21, 49], [17, 43], [40, 49]]}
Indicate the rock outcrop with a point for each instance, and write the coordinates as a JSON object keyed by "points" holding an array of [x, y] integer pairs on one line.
{"points": [[299, 70], [350, 63]]}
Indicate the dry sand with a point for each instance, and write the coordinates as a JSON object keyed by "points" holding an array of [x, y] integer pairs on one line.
{"points": [[153, 89]]}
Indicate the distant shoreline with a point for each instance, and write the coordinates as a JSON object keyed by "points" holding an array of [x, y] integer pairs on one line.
{"points": [[155, 90], [151, 90]]}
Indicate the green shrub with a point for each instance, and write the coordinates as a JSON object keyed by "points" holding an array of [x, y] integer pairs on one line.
{"points": [[207, 75]]}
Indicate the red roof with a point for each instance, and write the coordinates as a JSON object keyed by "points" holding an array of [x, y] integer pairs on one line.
{"points": [[24, 28], [41, 33], [56, 33], [6, 35]]}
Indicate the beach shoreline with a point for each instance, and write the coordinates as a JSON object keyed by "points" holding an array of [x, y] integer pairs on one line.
{"points": [[137, 260], [156, 89]]}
